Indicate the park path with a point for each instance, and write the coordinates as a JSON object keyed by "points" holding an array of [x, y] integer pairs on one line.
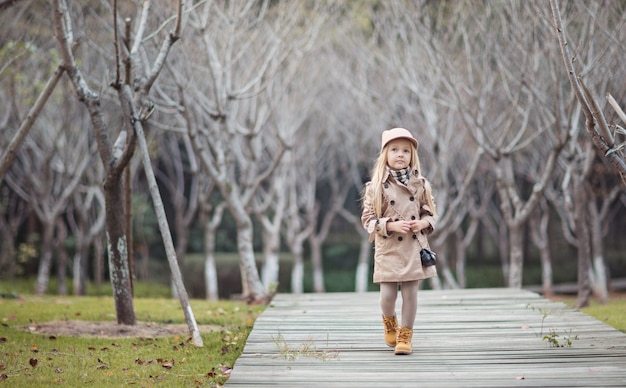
{"points": [[463, 338]]}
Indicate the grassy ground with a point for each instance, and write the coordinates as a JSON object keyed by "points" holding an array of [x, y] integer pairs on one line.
{"points": [[613, 312], [36, 360]]}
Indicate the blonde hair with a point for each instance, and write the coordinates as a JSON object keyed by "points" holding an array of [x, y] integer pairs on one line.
{"points": [[378, 172]]}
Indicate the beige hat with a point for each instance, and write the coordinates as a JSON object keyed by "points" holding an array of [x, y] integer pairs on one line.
{"points": [[397, 133]]}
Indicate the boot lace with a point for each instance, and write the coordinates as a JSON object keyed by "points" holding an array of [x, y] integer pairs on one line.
{"points": [[390, 325], [404, 336]]}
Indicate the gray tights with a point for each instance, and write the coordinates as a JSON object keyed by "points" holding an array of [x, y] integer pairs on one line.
{"points": [[389, 294]]}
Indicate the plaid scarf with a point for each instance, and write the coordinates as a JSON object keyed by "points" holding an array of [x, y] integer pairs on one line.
{"points": [[401, 176]]}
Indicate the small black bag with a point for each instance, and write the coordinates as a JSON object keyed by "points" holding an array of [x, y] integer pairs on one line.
{"points": [[428, 257]]}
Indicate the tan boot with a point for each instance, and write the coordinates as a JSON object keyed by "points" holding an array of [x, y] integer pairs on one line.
{"points": [[404, 342], [391, 330]]}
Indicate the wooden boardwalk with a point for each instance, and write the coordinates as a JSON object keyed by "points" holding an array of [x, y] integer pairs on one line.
{"points": [[463, 338]]}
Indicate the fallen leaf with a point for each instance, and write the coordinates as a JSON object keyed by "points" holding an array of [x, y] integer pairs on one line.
{"points": [[225, 370], [33, 362], [52, 337], [3, 339], [58, 370], [4, 376]]}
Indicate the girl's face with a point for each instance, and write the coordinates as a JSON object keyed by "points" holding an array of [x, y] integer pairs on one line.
{"points": [[399, 154]]}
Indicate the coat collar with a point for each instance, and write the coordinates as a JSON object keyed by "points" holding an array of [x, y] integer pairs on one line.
{"points": [[414, 181]]}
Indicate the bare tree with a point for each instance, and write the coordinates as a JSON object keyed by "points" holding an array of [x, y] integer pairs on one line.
{"points": [[10, 153], [296, 228], [115, 157], [86, 220], [602, 198], [245, 45], [211, 217], [47, 175], [596, 123], [541, 238], [596, 126]]}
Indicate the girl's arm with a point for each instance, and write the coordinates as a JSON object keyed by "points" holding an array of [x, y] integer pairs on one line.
{"points": [[370, 221]]}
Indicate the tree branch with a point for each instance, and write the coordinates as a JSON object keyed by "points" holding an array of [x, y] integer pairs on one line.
{"points": [[27, 124]]}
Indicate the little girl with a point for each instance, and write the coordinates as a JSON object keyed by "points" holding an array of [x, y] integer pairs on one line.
{"points": [[398, 213]]}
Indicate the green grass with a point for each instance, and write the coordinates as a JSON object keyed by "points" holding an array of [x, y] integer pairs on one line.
{"points": [[612, 312], [36, 360]]}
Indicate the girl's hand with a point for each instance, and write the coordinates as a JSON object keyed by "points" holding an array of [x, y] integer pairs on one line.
{"points": [[418, 225], [399, 226]]}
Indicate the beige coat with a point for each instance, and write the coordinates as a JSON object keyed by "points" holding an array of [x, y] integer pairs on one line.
{"points": [[396, 256]]}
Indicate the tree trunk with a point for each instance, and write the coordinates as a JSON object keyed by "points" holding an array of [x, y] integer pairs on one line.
{"points": [[80, 269], [600, 281], [297, 271], [252, 287], [317, 263], [117, 248], [444, 268], [546, 272], [460, 259], [43, 273], [271, 248], [584, 247], [210, 268], [516, 252], [61, 254], [541, 239], [363, 266], [98, 253], [128, 192]]}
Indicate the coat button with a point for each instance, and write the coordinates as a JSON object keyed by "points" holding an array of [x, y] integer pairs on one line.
{"points": [[414, 237], [412, 217], [386, 185], [392, 202], [411, 198], [399, 238]]}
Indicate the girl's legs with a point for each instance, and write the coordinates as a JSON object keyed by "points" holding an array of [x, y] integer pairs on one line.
{"points": [[409, 303], [388, 295]]}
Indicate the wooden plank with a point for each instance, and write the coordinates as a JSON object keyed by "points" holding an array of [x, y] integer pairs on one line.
{"points": [[463, 338]]}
